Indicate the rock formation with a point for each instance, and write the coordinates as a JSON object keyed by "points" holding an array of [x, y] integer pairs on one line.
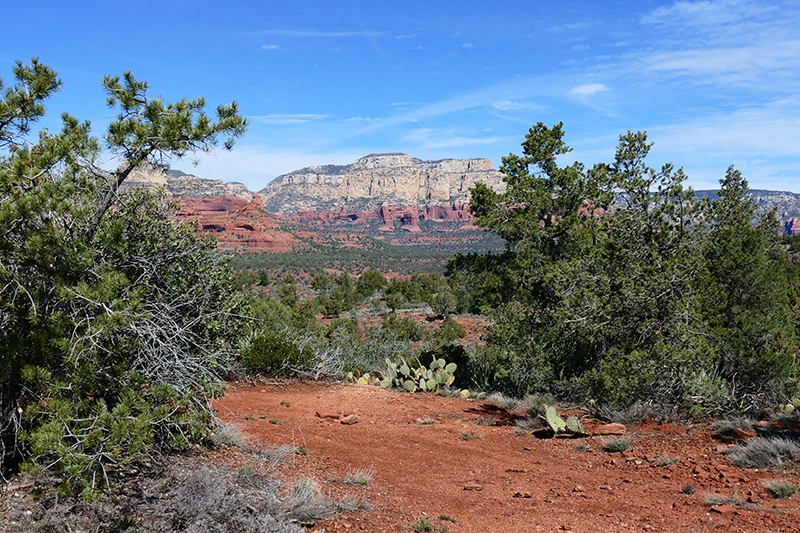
{"points": [[238, 224], [178, 184], [376, 181]]}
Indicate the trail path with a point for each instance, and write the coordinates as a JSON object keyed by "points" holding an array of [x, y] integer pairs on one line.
{"points": [[488, 479]]}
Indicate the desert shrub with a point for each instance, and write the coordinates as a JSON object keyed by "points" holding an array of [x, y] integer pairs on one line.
{"points": [[448, 331], [368, 354], [272, 354], [636, 413], [406, 329], [616, 444], [766, 453], [781, 489]]}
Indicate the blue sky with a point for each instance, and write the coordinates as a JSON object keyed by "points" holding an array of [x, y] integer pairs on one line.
{"points": [[713, 82]]}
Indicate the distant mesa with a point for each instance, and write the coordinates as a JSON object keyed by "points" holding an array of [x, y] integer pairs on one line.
{"points": [[379, 180], [181, 185], [392, 197]]}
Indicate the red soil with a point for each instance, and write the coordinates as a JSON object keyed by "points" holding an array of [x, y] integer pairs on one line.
{"points": [[496, 481]]}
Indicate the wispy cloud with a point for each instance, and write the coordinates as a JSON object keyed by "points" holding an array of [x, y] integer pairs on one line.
{"points": [[319, 33], [510, 105], [362, 119], [574, 26], [706, 13], [748, 62], [287, 118], [588, 89], [728, 41], [270, 47], [427, 138]]}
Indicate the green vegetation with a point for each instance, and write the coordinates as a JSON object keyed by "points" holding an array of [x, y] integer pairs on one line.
{"points": [[118, 323], [781, 489], [619, 285], [616, 444], [766, 453], [116, 320]]}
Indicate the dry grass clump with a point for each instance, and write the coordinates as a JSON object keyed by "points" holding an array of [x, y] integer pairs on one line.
{"points": [[729, 427], [766, 453], [502, 401], [536, 405], [781, 489], [187, 497], [306, 503], [717, 499], [635, 414], [360, 477], [616, 444]]}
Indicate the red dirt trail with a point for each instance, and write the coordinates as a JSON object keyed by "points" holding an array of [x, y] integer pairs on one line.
{"points": [[488, 478]]}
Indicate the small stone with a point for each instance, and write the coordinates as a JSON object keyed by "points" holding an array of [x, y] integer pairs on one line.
{"points": [[610, 429], [333, 415], [349, 420], [519, 494], [579, 488], [723, 509], [473, 486]]}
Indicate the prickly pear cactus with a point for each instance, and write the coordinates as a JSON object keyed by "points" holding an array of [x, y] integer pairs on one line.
{"points": [[790, 407], [574, 426], [555, 421], [412, 378]]}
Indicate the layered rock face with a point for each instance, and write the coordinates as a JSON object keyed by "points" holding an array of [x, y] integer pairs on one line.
{"points": [[238, 224], [228, 211], [178, 184], [376, 181]]}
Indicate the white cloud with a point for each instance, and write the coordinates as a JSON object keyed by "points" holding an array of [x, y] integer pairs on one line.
{"points": [[769, 131], [467, 45], [426, 138], [574, 26], [270, 47], [749, 63], [510, 105], [255, 166], [362, 119], [706, 13], [318, 33], [588, 89], [286, 118]]}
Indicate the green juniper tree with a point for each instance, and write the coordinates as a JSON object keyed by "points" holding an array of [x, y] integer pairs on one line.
{"points": [[626, 286], [114, 317]]}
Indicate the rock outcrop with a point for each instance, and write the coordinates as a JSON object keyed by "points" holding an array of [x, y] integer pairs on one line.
{"points": [[379, 180], [238, 224], [178, 184]]}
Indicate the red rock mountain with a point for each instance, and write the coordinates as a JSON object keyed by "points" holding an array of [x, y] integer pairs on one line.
{"points": [[392, 197], [228, 211]]}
